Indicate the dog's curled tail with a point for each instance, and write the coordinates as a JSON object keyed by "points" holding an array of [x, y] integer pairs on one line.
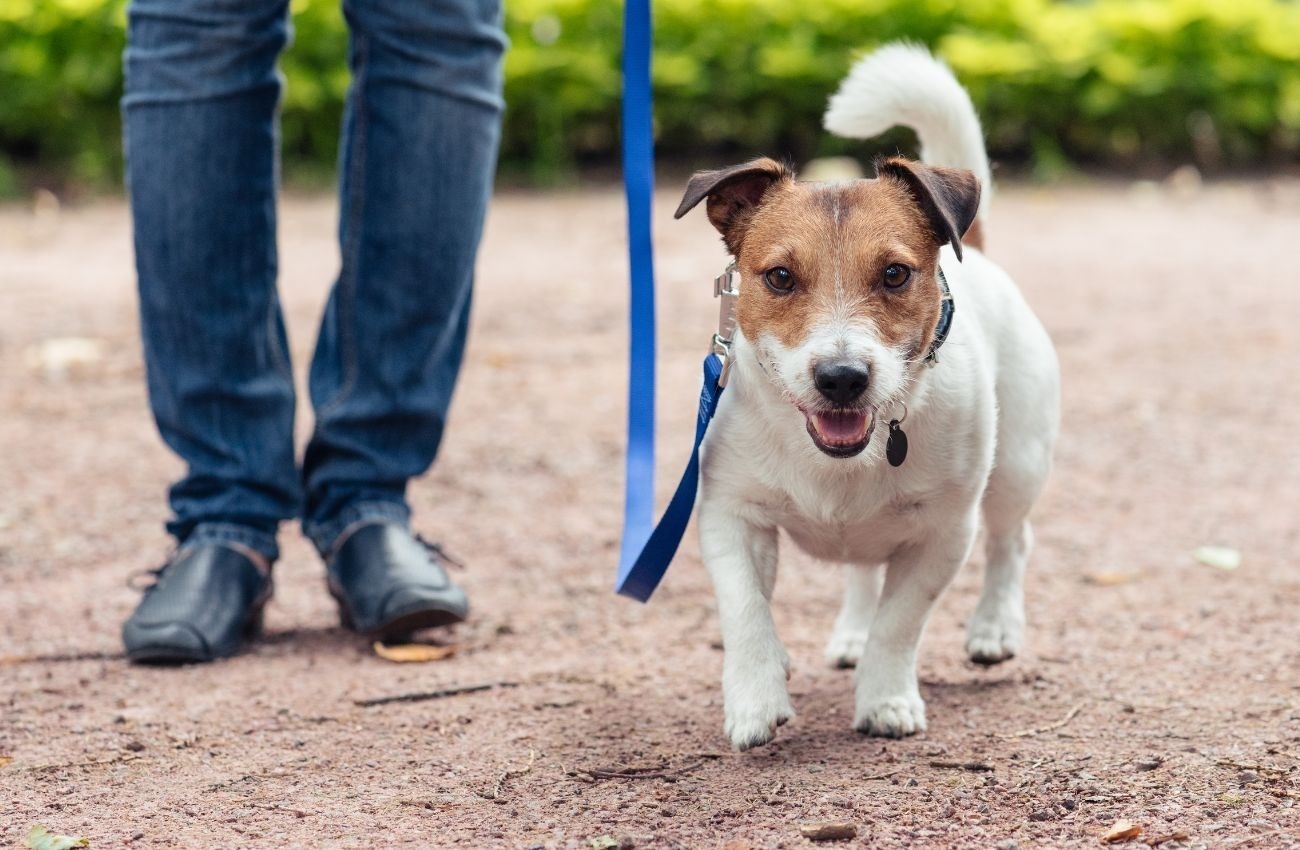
{"points": [[903, 84]]}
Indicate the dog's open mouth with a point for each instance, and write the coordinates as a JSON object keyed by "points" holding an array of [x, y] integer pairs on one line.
{"points": [[841, 433]]}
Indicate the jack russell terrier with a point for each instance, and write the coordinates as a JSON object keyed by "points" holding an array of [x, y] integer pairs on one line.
{"points": [[889, 389]]}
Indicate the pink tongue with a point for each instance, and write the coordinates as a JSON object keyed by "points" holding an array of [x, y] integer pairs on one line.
{"points": [[842, 428]]}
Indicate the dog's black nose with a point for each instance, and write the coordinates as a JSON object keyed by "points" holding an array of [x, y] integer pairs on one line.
{"points": [[841, 381]]}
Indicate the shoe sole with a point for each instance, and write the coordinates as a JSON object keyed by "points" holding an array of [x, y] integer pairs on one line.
{"points": [[403, 624], [165, 655]]}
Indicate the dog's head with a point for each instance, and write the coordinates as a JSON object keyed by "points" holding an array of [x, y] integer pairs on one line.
{"points": [[839, 282]]}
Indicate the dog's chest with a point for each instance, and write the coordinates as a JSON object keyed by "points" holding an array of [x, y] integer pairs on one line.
{"points": [[857, 521]]}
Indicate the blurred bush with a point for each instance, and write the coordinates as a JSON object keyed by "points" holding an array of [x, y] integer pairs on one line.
{"points": [[1114, 83]]}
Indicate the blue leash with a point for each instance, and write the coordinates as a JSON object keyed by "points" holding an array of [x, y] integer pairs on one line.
{"points": [[648, 549]]}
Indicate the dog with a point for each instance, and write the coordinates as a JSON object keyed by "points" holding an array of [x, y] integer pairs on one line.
{"points": [[837, 352]]}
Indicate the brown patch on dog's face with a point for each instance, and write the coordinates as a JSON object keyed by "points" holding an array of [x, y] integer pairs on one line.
{"points": [[837, 241], [839, 293]]}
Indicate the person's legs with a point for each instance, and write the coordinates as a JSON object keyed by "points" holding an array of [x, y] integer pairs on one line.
{"points": [[418, 154], [200, 138]]}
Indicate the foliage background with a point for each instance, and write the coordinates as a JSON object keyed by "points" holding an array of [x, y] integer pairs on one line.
{"points": [[1111, 83]]}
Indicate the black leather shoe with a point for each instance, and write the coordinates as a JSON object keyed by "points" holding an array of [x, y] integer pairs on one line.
{"points": [[389, 584], [205, 601]]}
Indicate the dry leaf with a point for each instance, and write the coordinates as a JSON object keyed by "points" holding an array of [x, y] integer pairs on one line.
{"points": [[604, 842], [59, 357], [1219, 557], [828, 831], [1109, 578], [413, 653], [5, 761], [1122, 831], [40, 838]]}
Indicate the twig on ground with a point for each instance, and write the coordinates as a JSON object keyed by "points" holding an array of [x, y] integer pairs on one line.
{"points": [[422, 696], [1051, 727], [976, 766], [506, 775], [1258, 768], [1242, 842], [276, 807], [59, 657], [659, 771], [882, 775], [1157, 840], [226, 783], [118, 759]]}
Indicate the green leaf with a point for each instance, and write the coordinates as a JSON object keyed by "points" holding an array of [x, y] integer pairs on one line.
{"points": [[40, 838]]}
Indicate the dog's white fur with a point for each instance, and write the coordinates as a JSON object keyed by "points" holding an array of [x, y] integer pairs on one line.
{"points": [[981, 423]]}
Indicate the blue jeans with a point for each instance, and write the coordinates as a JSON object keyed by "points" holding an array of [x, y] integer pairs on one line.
{"points": [[418, 150]]}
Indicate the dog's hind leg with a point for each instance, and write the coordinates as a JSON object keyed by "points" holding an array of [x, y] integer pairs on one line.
{"points": [[996, 629], [853, 625]]}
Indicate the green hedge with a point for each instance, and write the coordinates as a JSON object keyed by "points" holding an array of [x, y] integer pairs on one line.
{"points": [[1107, 82]]}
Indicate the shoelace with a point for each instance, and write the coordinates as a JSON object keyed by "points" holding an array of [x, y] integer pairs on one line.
{"points": [[434, 548], [134, 580], [153, 575]]}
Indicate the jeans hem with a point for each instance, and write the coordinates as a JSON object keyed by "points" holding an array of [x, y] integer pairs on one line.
{"points": [[224, 532], [325, 536]]}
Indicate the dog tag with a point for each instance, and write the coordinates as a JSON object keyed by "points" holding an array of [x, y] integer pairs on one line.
{"points": [[896, 446]]}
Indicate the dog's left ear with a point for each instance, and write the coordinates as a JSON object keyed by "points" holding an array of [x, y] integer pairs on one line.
{"points": [[949, 197], [734, 193]]}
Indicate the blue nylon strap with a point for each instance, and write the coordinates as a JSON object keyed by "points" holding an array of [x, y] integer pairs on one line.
{"points": [[647, 550], [640, 578], [638, 179]]}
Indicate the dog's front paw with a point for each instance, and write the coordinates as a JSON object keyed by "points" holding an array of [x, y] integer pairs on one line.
{"points": [[757, 702], [754, 724], [845, 647], [893, 717], [995, 634]]}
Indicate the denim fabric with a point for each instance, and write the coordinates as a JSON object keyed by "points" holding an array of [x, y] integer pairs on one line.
{"points": [[418, 151]]}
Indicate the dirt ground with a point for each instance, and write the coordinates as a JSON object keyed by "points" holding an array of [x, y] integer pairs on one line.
{"points": [[1156, 689]]}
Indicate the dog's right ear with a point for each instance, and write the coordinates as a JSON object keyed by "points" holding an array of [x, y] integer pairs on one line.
{"points": [[734, 193]]}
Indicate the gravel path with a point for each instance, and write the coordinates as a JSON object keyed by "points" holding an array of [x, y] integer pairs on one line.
{"points": [[1156, 689]]}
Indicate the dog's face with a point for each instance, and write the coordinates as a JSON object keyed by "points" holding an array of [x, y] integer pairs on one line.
{"points": [[839, 282]]}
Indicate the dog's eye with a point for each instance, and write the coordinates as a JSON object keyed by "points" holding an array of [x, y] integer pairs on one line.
{"points": [[779, 279], [896, 275]]}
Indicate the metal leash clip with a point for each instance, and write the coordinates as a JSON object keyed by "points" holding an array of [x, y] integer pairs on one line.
{"points": [[726, 287]]}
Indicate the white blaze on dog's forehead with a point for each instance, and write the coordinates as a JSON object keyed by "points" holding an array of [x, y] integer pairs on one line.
{"points": [[837, 252]]}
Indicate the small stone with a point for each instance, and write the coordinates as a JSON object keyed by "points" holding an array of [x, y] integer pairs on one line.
{"points": [[1043, 815], [828, 831], [1068, 804], [1009, 844], [1247, 776], [1150, 763]]}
